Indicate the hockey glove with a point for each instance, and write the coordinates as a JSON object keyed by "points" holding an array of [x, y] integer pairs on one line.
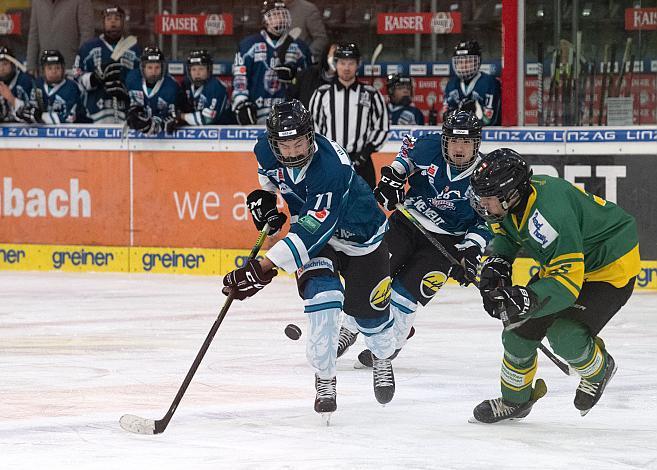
{"points": [[138, 119], [246, 113], [495, 272], [390, 190], [466, 272], [247, 281], [517, 304], [29, 113], [286, 73], [95, 80], [117, 90], [112, 73], [262, 205], [169, 124]]}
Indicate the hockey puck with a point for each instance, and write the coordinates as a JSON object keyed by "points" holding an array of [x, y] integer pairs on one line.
{"points": [[293, 332]]}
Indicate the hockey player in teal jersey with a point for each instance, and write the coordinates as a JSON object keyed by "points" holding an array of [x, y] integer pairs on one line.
{"points": [[336, 230], [437, 168]]}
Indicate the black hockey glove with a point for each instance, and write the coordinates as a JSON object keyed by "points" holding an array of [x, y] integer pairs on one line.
{"points": [[169, 124], [112, 73], [246, 113], [390, 190], [29, 113], [262, 205], [286, 72], [95, 80], [514, 304], [495, 272], [117, 90], [466, 272], [138, 119], [247, 281]]}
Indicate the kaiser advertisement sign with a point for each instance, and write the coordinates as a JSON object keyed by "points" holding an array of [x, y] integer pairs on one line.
{"points": [[419, 23], [194, 25]]}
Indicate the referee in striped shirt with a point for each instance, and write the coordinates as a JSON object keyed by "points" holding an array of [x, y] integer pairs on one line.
{"points": [[351, 113]]}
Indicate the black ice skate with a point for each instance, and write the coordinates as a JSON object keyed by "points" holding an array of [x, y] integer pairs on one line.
{"points": [[384, 379], [347, 338], [588, 393], [365, 359], [492, 411], [365, 356], [325, 401]]}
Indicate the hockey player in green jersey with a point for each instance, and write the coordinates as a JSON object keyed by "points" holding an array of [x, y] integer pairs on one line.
{"points": [[588, 253]]}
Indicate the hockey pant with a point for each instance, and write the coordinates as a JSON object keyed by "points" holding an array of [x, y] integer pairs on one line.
{"points": [[571, 334]]}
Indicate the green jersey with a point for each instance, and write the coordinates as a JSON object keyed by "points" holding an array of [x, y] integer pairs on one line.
{"points": [[574, 236]]}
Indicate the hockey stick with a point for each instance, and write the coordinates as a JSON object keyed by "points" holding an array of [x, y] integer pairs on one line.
{"points": [[292, 35], [121, 48], [594, 65], [603, 88], [139, 425], [624, 62], [539, 73], [557, 362]]}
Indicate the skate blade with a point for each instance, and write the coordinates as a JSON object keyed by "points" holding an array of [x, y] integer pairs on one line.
{"points": [[584, 412], [474, 420], [326, 418], [360, 365]]}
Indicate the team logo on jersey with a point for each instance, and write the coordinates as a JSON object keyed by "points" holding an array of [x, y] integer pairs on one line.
{"points": [[432, 170], [431, 283], [380, 295], [488, 113], [541, 230], [320, 216]]}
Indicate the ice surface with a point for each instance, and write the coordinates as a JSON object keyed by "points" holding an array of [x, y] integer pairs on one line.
{"points": [[77, 351]]}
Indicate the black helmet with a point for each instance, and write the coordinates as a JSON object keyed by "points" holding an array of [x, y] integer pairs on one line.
{"points": [[398, 80], [466, 59], [199, 57], [152, 54], [290, 120], [347, 50], [114, 10], [276, 17], [8, 55], [503, 174], [465, 127], [51, 56]]}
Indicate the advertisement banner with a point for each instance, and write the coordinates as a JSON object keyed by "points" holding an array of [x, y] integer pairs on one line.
{"points": [[640, 19], [622, 179], [65, 197], [419, 23], [195, 25], [10, 24], [192, 199]]}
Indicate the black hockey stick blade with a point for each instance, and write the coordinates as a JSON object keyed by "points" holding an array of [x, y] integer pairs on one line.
{"points": [[138, 425]]}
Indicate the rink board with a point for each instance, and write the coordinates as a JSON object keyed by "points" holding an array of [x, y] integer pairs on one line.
{"points": [[196, 261]]}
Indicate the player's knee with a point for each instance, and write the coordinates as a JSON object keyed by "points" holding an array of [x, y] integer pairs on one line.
{"points": [[568, 337], [372, 325], [401, 299], [517, 348], [321, 284]]}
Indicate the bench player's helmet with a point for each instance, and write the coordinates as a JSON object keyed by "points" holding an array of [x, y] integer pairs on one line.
{"points": [[466, 59], [276, 17], [152, 54], [199, 57]]}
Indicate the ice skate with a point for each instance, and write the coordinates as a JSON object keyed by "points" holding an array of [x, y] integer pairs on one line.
{"points": [[384, 379], [325, 400], [347, 338], [499, 409], [589, 393]]}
